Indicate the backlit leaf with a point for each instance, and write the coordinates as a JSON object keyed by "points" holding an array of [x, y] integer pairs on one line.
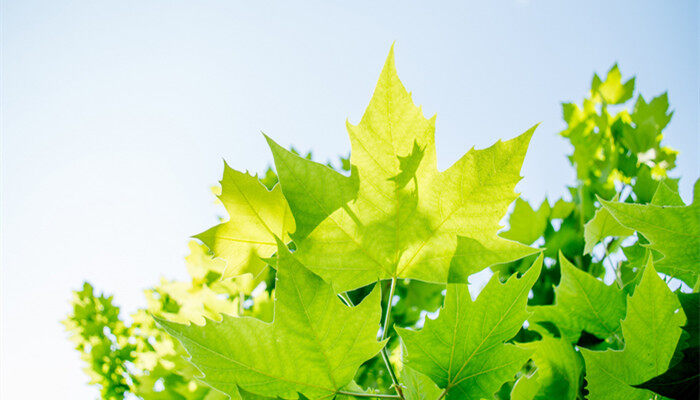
{"points": [[313, 346], [256, 215], [583, 303], [673, 231], [409, 220], [464, 351], [651, 330]]}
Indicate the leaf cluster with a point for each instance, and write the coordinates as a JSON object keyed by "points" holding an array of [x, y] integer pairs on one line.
{"points": [[353, 282]]}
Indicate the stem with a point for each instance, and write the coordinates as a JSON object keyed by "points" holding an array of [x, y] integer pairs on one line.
{"points": [[392, 374], [385, 356], [385, 329], [582, 205], [390, 303], [618, 274], [379, 396]]}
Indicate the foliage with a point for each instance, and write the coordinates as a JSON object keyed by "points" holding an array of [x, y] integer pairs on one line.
{"points": [[650, 330], [682, 379], [464, 351], [352, 281], [139, 359], [301, 351]]}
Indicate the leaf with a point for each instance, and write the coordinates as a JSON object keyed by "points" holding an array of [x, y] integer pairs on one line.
{"points": [[463, 350], [526, 388], [612, 90], [415, 299], [92, 316], [418, 386], [656, 110], [562, 209], [207, 270], [645, 185], [353, 387], [526, 224], [691, 306], [674, 231], [313, 346], [200, 264], [682, 380], [408, 166], [243, 395], [407, 219], [583, 303], [256, 215], [567, 239], [313, 190], [667, 194], [188, 304], [558, 375], [651, 330], [641, 138], [603, 225]]}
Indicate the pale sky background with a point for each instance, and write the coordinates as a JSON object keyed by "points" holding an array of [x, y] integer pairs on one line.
{"points": [[116, 116]]}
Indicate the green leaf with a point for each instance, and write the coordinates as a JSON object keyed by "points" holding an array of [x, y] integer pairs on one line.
{"points": [[656, 110], [408, 166], [612, 90], [256, 215], [353, 387], [583, 303], [641, 138], [526, 388], [603, 225], [106, 356], [667, 194], [691, 306], [415, 299], [313, 190], [674, 231], [645, 185], [682, 380], [526, 224], [562, 209], [313, 346], [567, 239], [418, 386], [206, 270], [464, 351], [651, 330], [408, 220], [558, 375]]}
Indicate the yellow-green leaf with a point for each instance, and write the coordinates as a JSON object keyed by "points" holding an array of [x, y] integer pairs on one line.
{"points": [[601, 226], [558, 375], [583, 303], [407, 219], [313, 346], [651, 330], [256, 216], [464, 351], [673, 231]]}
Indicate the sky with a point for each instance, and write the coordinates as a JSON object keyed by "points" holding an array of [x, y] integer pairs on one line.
{"points": [[116, 116]]}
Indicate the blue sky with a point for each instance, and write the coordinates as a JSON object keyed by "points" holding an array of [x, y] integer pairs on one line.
{"points": [[116, 116]]}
